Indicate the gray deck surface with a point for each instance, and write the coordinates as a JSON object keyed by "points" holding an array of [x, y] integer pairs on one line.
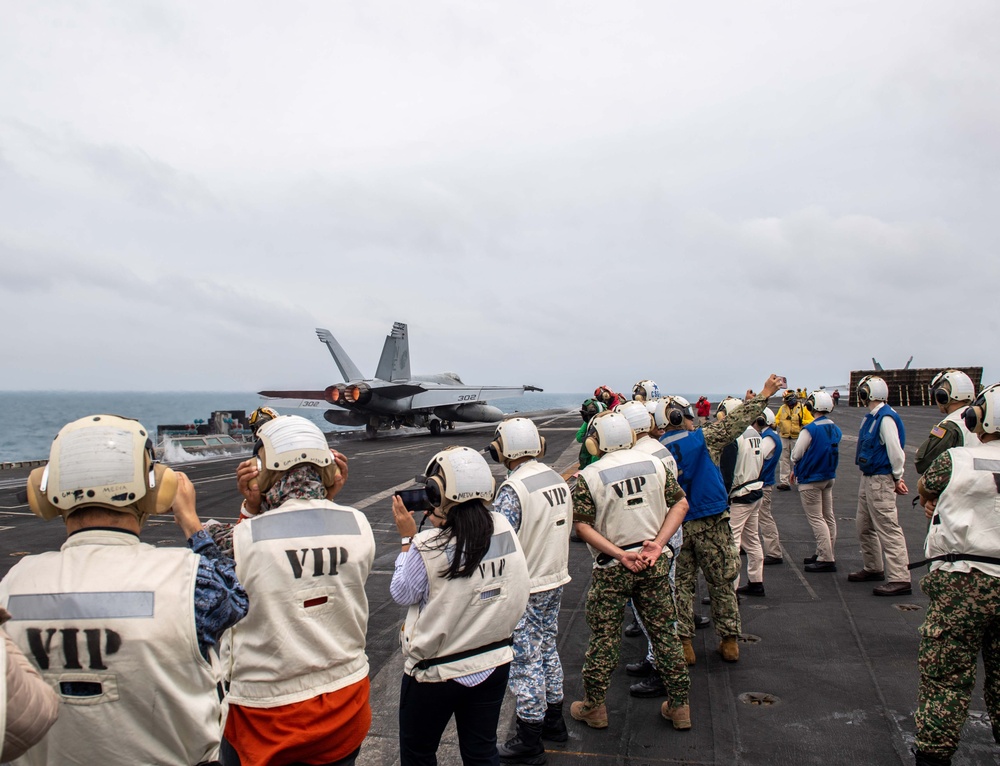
{"points": [[840, 661]]}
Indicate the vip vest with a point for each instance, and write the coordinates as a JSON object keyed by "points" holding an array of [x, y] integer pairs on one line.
{"points": [[698, 476], [872, 457], [965, 518], [789, 421], [627, 488], [747, 484], [109, 622], [819, 462], [652, 447], [772, 460], [304, 566], [546, 518], [969, 438], [467, 624]]}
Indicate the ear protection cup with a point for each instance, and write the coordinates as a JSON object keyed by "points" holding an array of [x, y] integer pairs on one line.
{"points": [[542, 453], [592, 446], [675, 417], [496, 451], [37, 501], [971, 416], [864, 396], [941, 396], [435, 490]]}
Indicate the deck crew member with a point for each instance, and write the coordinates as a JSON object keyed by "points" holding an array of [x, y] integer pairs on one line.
{"points": [[815, 457], [788, 422], [122, 630], [297, 666], [536, 502], [626, 506], [960, 495], [742, 463], [952, 391], [467, 583], [770, 450], [708, 537], [881, 459]]}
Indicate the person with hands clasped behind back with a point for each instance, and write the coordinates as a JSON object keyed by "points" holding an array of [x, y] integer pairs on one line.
{"points": [[466, 584]]}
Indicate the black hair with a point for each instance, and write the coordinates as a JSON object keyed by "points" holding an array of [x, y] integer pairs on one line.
{"points": [[469, 526]]}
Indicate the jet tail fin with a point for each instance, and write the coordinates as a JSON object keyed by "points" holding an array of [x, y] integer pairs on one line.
{"points": [[347, 368], [394, 364]]}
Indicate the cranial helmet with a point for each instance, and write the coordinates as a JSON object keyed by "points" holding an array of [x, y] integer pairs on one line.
{"points": [[766, 418], [872, 388], [259, 417], [288, 441], [514, 438], [604, 394], [608, 432], [671, 411], [820, 401], [637, 415], [456, 475], [789, 397], [105, 461], [984, 412], [590, 408], [727, 406], [645, 390], [952, 386]]}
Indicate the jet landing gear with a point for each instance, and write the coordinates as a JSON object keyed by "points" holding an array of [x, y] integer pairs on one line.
{"points": [[371, 429], [435, 427]]}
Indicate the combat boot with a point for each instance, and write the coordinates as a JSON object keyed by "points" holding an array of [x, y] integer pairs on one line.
{"points": [[595, 716], [525, 746], [926, 759], [729, 648], [554, 725], [688, 647], [680, 716]]}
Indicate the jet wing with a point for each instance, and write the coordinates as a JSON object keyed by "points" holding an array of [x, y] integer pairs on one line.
{"points": [[293, 394]]}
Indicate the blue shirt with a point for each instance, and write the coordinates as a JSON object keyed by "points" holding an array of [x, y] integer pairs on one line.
{"points": [[219, 600]]}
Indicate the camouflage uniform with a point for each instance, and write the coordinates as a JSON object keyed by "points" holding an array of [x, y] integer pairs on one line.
{"points": [[650, 591], [963, 619]]}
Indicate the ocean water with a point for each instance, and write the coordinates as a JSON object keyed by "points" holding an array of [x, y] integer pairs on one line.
{"points": [[32, 418]]}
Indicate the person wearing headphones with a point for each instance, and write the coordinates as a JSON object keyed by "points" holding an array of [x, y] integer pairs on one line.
{"points": [[259, 417], [952, 391], [536, 502], [297, 668], [959, 494], [789, 421], [589, 408], [815, 457], [708, 536], [881, 459], [626, 507], [770, 450], [645, 391], [466, 583], [138, 684]]}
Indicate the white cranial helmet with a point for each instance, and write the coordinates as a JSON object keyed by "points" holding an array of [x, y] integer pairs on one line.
{"points": [[952, 386], [456, 475], [726, 406], [609, 431], [872, 389], [645, 390], [288, 441], [514, 438], [637, 415], [820, 401], [767, 416]]}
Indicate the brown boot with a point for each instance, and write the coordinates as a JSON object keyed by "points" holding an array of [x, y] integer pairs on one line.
{"points": [[729, 649], [595, 716], [680, 715], [689, 656]]}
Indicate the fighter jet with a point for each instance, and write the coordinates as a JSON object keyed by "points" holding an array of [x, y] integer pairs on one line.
{"points": [[394, 398]]}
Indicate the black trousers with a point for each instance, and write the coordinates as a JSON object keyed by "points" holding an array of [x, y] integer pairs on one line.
{"points": [[426, 708], [229, 757]]}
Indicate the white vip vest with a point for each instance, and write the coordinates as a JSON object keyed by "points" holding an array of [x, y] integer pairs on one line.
{"points": [[466, 614], [546, 516], [651, 446], [749, 462], [304, 567], [627, 488], [109, 622], [965, 518], [969, 438]]}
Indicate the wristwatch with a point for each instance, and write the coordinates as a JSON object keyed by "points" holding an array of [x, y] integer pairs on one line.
{"points": [[405, 540]]}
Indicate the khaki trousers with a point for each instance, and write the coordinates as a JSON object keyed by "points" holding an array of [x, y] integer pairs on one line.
{"points": [[878, 529], [743, 517], [768, 528], [785, 462], [817, 502]]}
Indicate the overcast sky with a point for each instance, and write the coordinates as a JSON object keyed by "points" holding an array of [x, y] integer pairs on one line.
{"points": [[556, 193]]}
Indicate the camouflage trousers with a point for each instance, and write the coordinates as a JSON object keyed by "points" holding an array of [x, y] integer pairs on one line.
{"points": [[963, 619], [650, 593], [536, 674], [710, 547]]}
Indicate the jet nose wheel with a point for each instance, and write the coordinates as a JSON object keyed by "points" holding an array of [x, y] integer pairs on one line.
{"points": [[435, 427]]}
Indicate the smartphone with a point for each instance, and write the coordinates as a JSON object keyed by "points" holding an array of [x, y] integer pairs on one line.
{"points": [[415, 499], [783, 381]]}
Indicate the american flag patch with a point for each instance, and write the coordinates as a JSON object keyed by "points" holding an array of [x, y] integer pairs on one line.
{"points": [[938, 431]]}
